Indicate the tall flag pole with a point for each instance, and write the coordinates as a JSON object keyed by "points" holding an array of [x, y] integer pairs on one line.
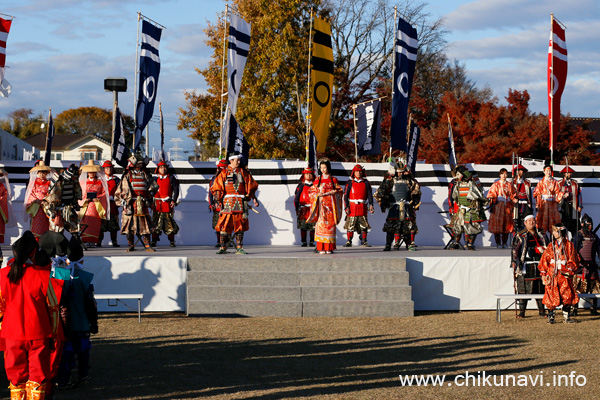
{"points": [[321, 81], [162, 133], [223, 94], [557, 77], [149, 70], [368, 127], [239, 45], [405, 59], [49, 137], [5, 24], [309, 131], [451, 150]]}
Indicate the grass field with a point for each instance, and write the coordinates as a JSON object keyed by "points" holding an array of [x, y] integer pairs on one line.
{"points": [[171, 356]]}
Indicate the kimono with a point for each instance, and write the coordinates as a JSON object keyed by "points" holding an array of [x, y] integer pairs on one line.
{"points": [[547, 195], [501, 195], [39, 220], [325, 212], [557, 266], [233, 188], [93, 210]]}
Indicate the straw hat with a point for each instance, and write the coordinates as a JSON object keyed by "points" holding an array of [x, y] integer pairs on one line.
{"points": [[91, 167], [40, 167]]}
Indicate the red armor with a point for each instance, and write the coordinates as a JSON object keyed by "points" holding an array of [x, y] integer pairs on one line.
{"points": [[357, 199], [164, 197], [235, 193]]}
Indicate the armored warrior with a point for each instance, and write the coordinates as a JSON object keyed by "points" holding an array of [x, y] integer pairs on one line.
{"points": [[213, 205], [527, 249], [95, 204], [453, 208], [571, 203], [37, 189], [302, 206], [233, 188], [523, 196], [358, 202], [134, 194], [111, 223], [502, 198], [557, 266], [62, 202], [400, 193], [547, 195], [587, 243], [165, 200], [469, 195]]}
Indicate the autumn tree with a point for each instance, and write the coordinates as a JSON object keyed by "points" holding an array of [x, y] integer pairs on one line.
{"points": [[22, 123], [89, 120]]}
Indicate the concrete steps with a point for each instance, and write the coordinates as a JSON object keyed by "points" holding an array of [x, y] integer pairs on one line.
{"points": [[308, 286]]}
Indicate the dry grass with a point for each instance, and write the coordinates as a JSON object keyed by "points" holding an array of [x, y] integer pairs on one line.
{"points": [[171, 356]]}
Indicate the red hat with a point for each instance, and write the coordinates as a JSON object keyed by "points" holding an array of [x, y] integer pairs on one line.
{"points": [[567, 169], [308, 171], [520, 168], [107, 164], [161, 163], [360, 168], [222, 163]]}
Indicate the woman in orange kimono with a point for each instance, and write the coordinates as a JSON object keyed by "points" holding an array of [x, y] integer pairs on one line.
{"points": [[326, 208], [94, 203], [557, 268], [547, 196], [37, 189], [502, 197]]}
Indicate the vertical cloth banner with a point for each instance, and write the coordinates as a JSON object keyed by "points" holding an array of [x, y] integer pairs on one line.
{"points": [[4, 29], [239, 45], [405, 53], [312, 150], [120, 151], [49, 137], [413, 147], [557, 77], [451, 150], [237, 141], [148, 79], [322, 81], [368, 128]]}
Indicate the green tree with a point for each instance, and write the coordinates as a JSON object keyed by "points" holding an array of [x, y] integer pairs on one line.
{"points": [[22, 123]]}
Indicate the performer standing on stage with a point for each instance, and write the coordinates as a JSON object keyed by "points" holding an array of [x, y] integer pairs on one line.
{"points": [[523, 195], [547, 195], [165, 200], [557, 267], [61, 204], [572, 202], [29, 311], [111, 223], [527, 249], [213, 205], [233, 188], [469, 196], [502, 198], [6, 216], [358, 202], [586, 280], [302, 206], [95, 203], [326, 208], [37, 189], [134, 194], [453, 208], [401, 194]]}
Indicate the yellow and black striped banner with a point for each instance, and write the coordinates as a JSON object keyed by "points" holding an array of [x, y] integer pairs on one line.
{"points": [[322, 81]]}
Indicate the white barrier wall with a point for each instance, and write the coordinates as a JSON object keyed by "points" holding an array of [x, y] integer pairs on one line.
{"points": [[276, 223]]}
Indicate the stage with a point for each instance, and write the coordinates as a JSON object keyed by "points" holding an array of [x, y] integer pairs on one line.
{"points": [[439, 279]]}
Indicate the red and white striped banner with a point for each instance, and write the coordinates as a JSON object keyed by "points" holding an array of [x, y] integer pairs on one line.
{"points": [[557, 77]]}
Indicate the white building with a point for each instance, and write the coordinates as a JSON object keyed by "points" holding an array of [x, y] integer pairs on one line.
{"points": [[73, 147]]}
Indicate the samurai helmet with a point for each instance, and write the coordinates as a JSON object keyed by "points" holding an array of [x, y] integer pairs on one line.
{"points": [[70, 172]]}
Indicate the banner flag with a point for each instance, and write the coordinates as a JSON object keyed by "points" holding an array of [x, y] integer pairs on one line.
{"points": [[313, 162], [557, 77], [148, 79], [120, 151], [49, 137], [405, 53], [239, 44], [368, 128], [451, 150], [237, 141], [4, 29], [413, 147], [322, 81]]}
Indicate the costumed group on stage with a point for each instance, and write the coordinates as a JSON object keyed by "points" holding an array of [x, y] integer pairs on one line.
{"points": [[47, 301]]}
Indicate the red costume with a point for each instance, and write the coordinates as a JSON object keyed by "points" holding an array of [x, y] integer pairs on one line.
{"points": [[39, 220], [165, 199], [547, 195], [326, 211], [502, 197], [358, 201], [302, 206]]}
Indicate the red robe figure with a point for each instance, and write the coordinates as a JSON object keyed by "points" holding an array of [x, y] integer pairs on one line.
{"points": [[37, 189], [557, 266], [6, 216], [165, 199], [502, 198], [233, 188], [213, 205], [302, 206], [572, 202], [547, 195], [523, 195], [358, 202], [95, 204], [29, 308], [111, 223]]}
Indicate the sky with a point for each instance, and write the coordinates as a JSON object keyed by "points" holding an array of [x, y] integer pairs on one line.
{"points": [[59, 52]]}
